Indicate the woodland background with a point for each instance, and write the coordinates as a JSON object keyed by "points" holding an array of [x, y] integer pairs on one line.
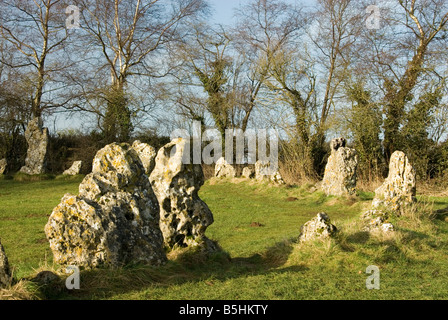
{"points": [[138, 69]]}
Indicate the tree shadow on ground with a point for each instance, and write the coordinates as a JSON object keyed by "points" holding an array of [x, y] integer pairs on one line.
{"points": [[106, 283], [360, 237], [440, 214]]}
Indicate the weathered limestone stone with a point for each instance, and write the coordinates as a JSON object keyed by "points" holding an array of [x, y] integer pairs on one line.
{"points": [[5, 272], [184, 217], [377, 221], [337, 143], [340, 171], [248, 173], [119, 158], [147, 155], [399, 188], [223, 169], [114, 220], [37, 138], [263, 171], [74, 169], [3, 164], [319, 227]]}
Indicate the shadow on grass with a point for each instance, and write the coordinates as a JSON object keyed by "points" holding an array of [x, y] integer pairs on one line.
{"points": [[409, 235], [360, 237], [189, 268]]}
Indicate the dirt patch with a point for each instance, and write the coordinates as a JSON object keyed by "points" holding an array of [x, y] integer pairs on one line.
{"points": [[256, 225], [333, 202], [42, 240], [8, 219]]}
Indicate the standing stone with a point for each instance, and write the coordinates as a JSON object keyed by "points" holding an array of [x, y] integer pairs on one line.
{"points": [[114, 220], [377, 221], [399, 188], [340, 171], [263, 171], [147, 155], [337, 143], [248, 173], [5, 272], [223, 169], [3, 164], [38, 139], [397, 192], [184, 217], [74, 169], [319, 227]]}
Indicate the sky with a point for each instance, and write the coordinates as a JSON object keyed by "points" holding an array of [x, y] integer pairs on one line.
{"points": [[222, 12]]}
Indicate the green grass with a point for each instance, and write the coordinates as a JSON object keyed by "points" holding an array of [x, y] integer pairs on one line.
{"points": [[24, 210], [257, 227]]}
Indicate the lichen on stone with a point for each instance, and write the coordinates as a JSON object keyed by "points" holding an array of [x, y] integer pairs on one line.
{"points": [[340, 171], [114, 220]]}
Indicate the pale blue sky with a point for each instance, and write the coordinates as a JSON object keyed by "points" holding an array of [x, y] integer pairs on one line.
{"points": [[223, 10], [222, 13]]}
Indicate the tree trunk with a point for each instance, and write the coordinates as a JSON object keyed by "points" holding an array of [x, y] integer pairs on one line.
{"points": [[397, 95], [117, 121]]}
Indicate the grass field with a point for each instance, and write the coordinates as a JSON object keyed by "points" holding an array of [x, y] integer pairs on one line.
{"points": [[257, 228]]}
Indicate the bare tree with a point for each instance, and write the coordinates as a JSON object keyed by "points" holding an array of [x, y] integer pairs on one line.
{"points": [[306, 73], [264, 27], [338, 26], [128, 35], [203, 77], [293, 83], [409, 38], [36, 30], [15, 109]]}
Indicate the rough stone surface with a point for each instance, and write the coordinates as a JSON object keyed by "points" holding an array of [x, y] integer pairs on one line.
{"points": [[5, 272], [377, 220], [37, 138], [184, 217], [223, 169], [340, 171], [337, 143], [74, 169], [319, 227], [263, 171], [3, 164], [387, 227], [147, 155], [248, 173], [399, 188], [114, 220]]}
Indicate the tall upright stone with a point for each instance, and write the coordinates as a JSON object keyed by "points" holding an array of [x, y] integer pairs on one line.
{"points": [[393, 196], [399, 188], [114, 220], [264, 171], [147, 155], [38, 139], [3, 164], [223, 169], [248, 173], [74, 169], [340, 171], [5, 271], [184, 217]]}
